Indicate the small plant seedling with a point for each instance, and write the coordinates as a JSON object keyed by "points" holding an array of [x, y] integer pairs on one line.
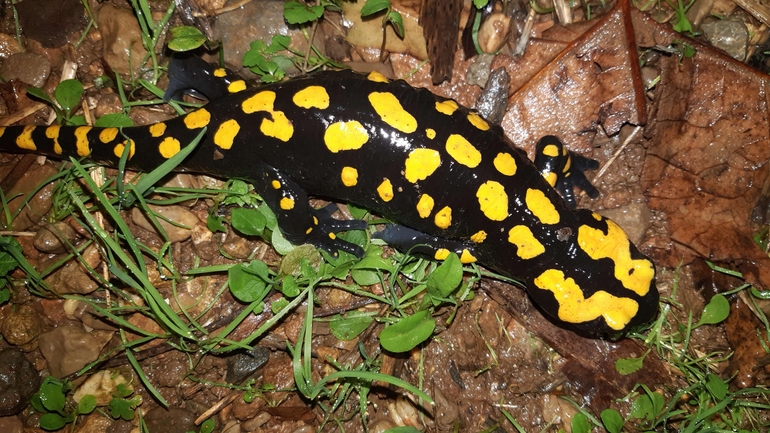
{"points": [[51, 401]]}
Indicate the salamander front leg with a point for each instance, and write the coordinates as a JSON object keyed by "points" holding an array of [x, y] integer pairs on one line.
{"points": [[563, 169], [422, 244], [299, 222]]}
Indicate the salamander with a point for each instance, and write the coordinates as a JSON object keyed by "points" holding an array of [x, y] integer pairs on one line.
{"points": [[450, 180]]}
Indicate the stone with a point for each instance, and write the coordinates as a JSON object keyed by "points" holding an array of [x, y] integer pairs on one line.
{"points": [[18, 381], [172, 420], [30, 68], [54, 238], [180, 231], [122, 39], [730, 35], [243, 364], [69, 348]]}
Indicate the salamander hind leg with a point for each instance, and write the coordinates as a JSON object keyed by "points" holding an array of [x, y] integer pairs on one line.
{"points": [[300, 223], [418, 243]]}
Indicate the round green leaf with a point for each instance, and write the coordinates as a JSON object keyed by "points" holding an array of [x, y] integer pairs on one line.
{"points": [[446, 278], [52, 421], [374, 6], [114, 120], [408, 332], [350, 326], [246, 283], [68, 94], [186, 38], [612, 420], [580, 423], [249, 222], [87, 404], [297, 13], [716, 311]]}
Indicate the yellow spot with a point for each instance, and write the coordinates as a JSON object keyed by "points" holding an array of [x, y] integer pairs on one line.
{"points": [[81, 140], [430, 133], [2, 130], [345, 136], [280, 127], [169, 147], [478, 122], [527, 246], [377, 77], [551, 150], [391, 112], [505, 164], [479, 236], [108, 134], [493, 200], [24, 140], [551, 178], [466, 257], [236, 86], [226, 133], [276, 184], [575, 308], [220, 72], [312, 97], [443, 218], [349, 176], [52, 132], [315, 221], [541, 206], [441, 254], [425, 206], [262, 101], [287, 203], [463, 151], [447, 107], [120, 147], [567, 165], [197, 119], [596, 216], [385, 190], [332, 236], [158, 129], [636, 275], [310, 229], [421, 163]]}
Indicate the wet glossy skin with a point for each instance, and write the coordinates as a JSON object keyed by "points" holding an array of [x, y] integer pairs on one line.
{"points": [[422, 161]]}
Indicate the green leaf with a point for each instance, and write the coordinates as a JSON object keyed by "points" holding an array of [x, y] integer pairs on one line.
{"points": [[716, 311], [52, 421], [278, 305], [402, 429], [351, 325], [68, 94], [580, 423], [249, 283], [289, 286], [216, 223], [626, 366], [278, 43], [408, 332], [208, 426], [52, 394], [86, 405], [480, 3], [7, 263], [612, 420], [280, 244], [373, 6], [716, 386], [365, 277], [298, 13], [40, 94], [446, 278], [397, 21], [114, 120], [186, 38], [5, 295], [78, 120], [642, 408], [249, 222]]}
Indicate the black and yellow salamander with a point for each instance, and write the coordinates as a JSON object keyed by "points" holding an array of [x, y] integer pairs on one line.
{"points": [[452, 181]]}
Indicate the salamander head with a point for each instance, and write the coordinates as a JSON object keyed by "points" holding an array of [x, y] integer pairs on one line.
{"points": [[603, 284]]}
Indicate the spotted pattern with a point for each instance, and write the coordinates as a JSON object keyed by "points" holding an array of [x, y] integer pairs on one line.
{"points": [[425, 206], [275, 184], [466, 257], [391, 112], [443, 218], [197, 119], [158, 129], [24, 140], [462, 151], [349, 176], [551, 150], [541, 206], [478, 122], [220, 72], [286, 203], [430, 133], [527, 246], [493, 200], [385, 190], [312, 97], [575, 308], [377, 77], [226, 133], [441, 254], [236, 86], [447, 107], [169, 147], [52, 133], [279, 126], [81, 140], [121, 147], [106, 135], [479, 237], [505, 164], [345, 136], [635, 274], [421, 163]]}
